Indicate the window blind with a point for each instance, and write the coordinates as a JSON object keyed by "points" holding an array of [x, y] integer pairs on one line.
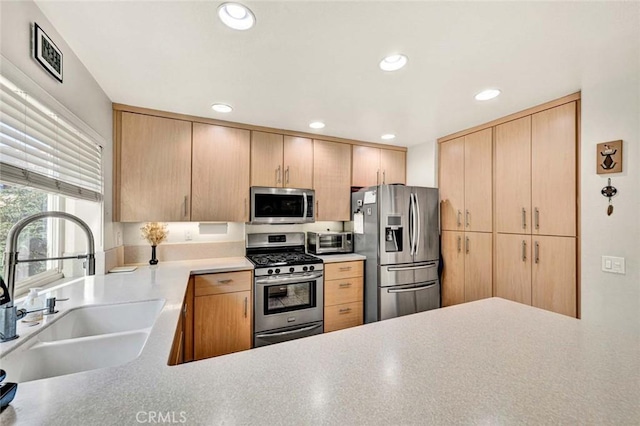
{"points": [[40, 149]]}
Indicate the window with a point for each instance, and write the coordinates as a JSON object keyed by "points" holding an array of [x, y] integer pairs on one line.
{"points": [[49, 160]]}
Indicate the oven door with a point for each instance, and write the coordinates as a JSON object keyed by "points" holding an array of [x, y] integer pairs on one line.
{"points": [[282, 205], [288, 300]]}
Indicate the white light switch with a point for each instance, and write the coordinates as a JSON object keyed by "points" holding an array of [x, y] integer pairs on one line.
{"points": [[613, 264]]}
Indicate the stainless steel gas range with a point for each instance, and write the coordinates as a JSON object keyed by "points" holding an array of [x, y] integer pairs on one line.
{"points": [[288, 288]]}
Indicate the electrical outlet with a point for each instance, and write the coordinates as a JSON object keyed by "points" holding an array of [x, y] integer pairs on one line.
{"points": [[118, 238], [187, 235], [613, 264]]}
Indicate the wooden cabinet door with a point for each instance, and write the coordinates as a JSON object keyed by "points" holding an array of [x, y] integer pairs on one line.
{"points": [[155, 169], [220, 179], [298, 162], [332, 180], [554, 274], [366, 166], [453, 271], [222, 324], [478, 181], [266, 159], [513, 267], [478, 266], [513, 176], [451, 184], [393, 166], [553, 171]]}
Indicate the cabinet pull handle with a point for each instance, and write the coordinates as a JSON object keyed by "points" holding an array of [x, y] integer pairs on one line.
{"points": [[278, 176], [317, 210], [459, 243], [345, 268], [537, 218], [524, 251], [286, 174], [466, 216], [378, 176], [345, 310], [459, 218], [467, 244], [186, 201], [384, 176], [343, 285], [245, 208], [524, 218], [537, 256], [184, 310], [245, 307], [227, 281]]}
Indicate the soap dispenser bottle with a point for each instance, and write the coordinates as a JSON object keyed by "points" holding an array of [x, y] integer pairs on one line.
{"points": [[34, 306]]}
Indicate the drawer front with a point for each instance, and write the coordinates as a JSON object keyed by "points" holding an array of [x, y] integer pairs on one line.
{"points": [[227, 282], [348, 290], [338, 271], [342, 316]]}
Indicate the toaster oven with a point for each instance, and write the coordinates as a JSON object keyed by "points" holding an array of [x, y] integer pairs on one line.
{"points": [[329, 242]]}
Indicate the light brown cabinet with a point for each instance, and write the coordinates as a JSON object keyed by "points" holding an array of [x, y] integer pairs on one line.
{"points": [[222, 313], [513, 267], [343, 295], [467, 273], [182, 349], [375, 166], [466, 183], [220, 180], [153, 168], [281, 161], [332, 180]]}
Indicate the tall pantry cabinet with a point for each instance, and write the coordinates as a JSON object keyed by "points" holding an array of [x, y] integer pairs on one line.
{"points": [[535, 193]]}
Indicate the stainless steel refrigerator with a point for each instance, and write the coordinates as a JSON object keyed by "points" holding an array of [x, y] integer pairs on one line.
{"points": [[396, 228]]}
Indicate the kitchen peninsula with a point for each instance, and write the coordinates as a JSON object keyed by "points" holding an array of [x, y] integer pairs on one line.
{"points": [[492, 362]]}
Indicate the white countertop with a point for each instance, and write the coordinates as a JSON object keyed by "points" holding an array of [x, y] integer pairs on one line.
{"points": [[489, 362], [345, 257]]}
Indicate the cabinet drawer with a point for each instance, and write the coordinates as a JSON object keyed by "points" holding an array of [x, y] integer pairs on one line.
{"points": [[338, 271], [348, 290], [227, 282], [342, 316]]}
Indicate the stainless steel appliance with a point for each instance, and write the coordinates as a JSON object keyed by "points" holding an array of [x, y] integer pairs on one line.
{"points": [[282, 205], [288, 288], [329, 242], [396, 228]]}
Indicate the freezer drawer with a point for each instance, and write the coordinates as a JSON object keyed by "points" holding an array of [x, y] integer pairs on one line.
{"points": [[408, 299], [411, 273]]}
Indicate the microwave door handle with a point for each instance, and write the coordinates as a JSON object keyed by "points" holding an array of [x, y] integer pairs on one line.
{"points": [[304, 208]]}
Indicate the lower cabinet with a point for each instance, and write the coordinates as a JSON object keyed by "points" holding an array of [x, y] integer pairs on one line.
{"points": [[222, 314], [467, 273], [343, 295], [537, 270]]}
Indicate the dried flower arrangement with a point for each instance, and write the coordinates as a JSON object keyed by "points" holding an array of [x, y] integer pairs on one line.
{"points": [[154, 232]]}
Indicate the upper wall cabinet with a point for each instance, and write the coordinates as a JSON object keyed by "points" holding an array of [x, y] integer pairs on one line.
{"points": [[153, 166], [375, 166], [220, 181], [466, 182], [331, 180], [281, 161]]}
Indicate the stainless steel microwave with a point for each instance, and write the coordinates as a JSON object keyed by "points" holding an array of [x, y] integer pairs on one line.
{"points": [[282, 205], [329, 242]]}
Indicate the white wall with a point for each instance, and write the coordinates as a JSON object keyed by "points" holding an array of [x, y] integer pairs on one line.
{"points": [[610, 84], [79, 93]]}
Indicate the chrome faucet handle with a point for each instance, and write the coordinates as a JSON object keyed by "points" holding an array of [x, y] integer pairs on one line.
{"points": [[51, 305]]}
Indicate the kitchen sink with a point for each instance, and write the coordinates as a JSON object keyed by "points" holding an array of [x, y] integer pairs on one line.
{"points": [[102, 319], [84, 339]]}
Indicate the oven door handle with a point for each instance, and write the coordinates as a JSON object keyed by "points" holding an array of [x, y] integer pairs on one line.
{"points": [[297, 278], [286, 333]]}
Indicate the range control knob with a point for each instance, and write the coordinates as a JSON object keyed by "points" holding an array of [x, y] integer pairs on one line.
{"points": [[277, 271], [270, 271], [311, 268], [292, 269], [304, 268]]}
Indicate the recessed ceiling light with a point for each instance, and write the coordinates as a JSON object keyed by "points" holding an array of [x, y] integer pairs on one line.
{"points": [[388, 136], [316, 125], [221, 108], [393, 62], [485, 95], [236, 16]]}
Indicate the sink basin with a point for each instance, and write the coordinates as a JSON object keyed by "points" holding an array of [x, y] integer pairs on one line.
{"points": [[84, 339], [102, 319]]}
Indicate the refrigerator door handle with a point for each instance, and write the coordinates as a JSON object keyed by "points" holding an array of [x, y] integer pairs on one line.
{"points": [[411, 268], [407, 290], [417, 203], [411, 223]]}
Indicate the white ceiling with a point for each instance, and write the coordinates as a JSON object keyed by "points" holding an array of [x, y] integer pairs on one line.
{"points": [[307, 61]]}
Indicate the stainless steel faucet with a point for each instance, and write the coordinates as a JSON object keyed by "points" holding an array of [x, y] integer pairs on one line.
{"points": [[9, 315]]}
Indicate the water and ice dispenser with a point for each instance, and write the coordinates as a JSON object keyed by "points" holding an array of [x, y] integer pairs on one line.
{"points": [[393, 233]]}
